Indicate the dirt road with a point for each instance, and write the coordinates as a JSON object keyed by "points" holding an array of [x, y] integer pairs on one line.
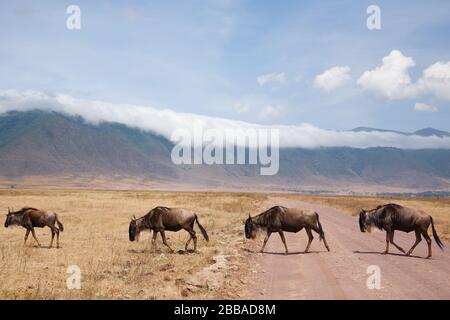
{"points": [[342, 273]]}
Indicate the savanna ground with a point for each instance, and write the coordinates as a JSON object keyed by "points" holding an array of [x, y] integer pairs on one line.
{"points": [[96, 240]]}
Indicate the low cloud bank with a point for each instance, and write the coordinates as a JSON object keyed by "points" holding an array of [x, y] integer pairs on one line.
{"points": [[165, 122]]}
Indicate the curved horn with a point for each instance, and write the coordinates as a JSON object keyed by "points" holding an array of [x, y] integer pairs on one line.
{"points": [[133, 217]]}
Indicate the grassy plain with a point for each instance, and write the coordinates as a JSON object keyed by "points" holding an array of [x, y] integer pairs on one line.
{"points": [[96, 240]]}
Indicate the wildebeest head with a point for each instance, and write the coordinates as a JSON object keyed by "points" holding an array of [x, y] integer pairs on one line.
{"points": [[9, 218], [132, 230], [362, 220], [250, 230]]}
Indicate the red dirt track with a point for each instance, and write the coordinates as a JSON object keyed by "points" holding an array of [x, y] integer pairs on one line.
{"points": [[342, 272]]}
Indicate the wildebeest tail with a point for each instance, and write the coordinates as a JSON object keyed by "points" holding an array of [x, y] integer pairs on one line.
{"points": [[435, 235], [203, 231], [60, 225], [321, 233]]}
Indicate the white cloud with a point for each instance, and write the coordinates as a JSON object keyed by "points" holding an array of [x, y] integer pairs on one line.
{"points": [[436, 80], [271, 77], [164, 122], [391, 80], [424, 107], [270, 112], [333, 78]]}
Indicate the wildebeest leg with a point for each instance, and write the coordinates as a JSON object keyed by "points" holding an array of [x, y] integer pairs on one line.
{"points": [[26, 237], [155, 234], [192, 237], [284, 241], [418, 239], [325, 242], [323, 237], [187, 242], [428, 239], [310, 238], [163, 235], [387, 243], [34, 236], [391, 239], [57, 238], [265, 240], [54, 231], [53, 236]]}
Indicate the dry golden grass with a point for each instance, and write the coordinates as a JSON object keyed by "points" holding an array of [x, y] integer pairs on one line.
{"points": [[96, 239], [439, 209]]}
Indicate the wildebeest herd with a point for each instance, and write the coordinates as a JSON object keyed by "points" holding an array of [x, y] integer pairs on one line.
{"points": [[388, 217]]}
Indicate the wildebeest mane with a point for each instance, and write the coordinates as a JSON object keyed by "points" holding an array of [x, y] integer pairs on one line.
{"points": [[157, 210], [23, 210], [266, 218], [377, 216], [391, 205], [160, 209]]}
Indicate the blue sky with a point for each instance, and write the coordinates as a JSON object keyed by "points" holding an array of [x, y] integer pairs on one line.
{"points": [[206, 57]]}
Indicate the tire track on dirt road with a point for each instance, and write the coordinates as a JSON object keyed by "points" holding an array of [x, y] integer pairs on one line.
{"points": [[342, 273]]}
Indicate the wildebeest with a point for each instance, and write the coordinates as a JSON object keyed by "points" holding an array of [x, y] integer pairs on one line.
{"points": [[161, 219], [31, 218], [391, 217], [279, 219]]}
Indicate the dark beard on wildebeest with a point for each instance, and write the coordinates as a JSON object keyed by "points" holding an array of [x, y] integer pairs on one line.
{"points": [[132, 230], [250, 229], [392, 217], [362, 218]]}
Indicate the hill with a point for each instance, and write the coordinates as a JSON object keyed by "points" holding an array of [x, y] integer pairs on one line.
{"points": [[45, 148]]}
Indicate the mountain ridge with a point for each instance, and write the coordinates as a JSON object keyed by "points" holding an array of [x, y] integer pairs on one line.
{"points": [[424, 132], [48, 144]]}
